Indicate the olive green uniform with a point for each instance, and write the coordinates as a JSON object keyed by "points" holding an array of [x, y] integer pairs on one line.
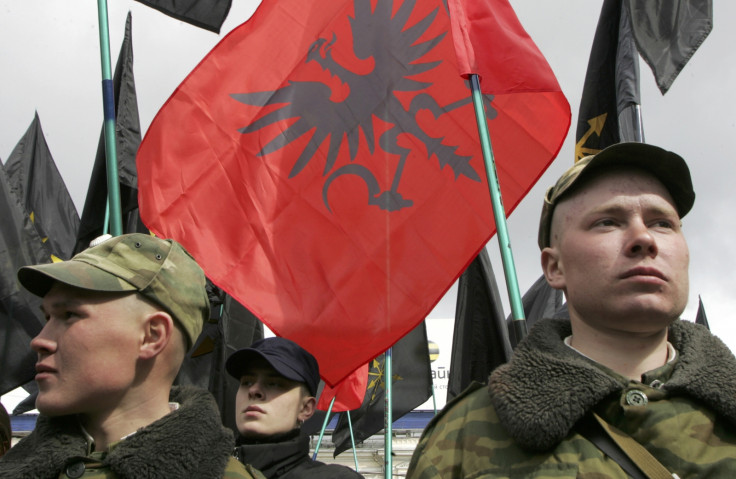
{"points": [[524, 423]]}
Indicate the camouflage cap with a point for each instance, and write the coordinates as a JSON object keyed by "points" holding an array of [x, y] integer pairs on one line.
{"points": [[667, 167], [160, 270]]}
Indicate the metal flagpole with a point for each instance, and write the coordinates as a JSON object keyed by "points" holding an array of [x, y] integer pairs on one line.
{"points": [[388, 414], [324, 426], [499, 214], [108, 103], [352, 441]]}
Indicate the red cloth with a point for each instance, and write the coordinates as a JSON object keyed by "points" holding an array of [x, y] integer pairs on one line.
{"points": [[280, 196], [348, 393]]}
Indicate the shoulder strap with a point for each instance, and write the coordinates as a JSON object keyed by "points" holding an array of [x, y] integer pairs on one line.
{"points": [[633, 458]]}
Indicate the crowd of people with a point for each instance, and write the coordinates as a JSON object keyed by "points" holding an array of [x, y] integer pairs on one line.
{"points": [[623, 388]]}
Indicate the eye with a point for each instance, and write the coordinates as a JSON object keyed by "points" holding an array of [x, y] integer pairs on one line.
{"points": [[606, 222], [664, 224]]}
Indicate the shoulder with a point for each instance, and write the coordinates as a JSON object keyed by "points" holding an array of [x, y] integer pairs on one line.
{"points": [[467, 431], [235, 470]]}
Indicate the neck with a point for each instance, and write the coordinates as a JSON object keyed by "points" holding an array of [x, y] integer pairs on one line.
{"points": [[628, 354], [128, 417]]}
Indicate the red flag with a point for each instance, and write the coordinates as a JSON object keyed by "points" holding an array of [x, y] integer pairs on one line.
{"points": [[348, 393], [323, 165]]}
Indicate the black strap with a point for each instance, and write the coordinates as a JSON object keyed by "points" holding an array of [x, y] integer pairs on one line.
{"points": [[589, 428]]}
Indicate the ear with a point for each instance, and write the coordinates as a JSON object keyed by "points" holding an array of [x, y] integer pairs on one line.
{"points": [[309, 406], [553, 268], [158, 328]]}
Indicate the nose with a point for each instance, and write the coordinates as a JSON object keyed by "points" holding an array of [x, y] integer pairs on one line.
{"points": [[255, 391], [641, 240], [42, 344]]}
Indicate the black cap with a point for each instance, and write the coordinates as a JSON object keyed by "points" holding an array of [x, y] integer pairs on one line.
{"points": [[285, 356]]}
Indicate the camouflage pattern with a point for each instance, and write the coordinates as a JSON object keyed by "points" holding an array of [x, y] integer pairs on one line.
{"points": [[161, 270], [682, 423], [667, 167]]}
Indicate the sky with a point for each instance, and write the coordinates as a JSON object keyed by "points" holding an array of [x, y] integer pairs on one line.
{"points": [[49, 56]]}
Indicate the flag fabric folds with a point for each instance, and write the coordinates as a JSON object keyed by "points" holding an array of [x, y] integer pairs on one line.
{"points": [[412, 385], [20, 312], [128, 138], [611, 87], [668, 32], [480, 341], [348, 393], [207, 14], [329, 174], [36, 181]]}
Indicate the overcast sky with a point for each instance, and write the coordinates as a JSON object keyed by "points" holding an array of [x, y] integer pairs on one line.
{"points": [[50, 63]]}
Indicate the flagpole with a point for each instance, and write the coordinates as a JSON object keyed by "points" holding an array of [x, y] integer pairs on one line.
{"points": [[388, 415], [108, 103], [504, 243], [352, 440], [324, 426]]}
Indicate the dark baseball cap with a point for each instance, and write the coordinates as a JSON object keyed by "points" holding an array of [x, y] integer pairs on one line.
{"points": [[288, 359], [159, 269], [669, 168]]}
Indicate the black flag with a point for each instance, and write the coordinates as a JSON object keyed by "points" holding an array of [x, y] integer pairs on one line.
{"points": [[611, 88], [668, 32], [20, 313], [480, 342], [231, 327], [412, 385], [128, 138], [701, 318], [207, 14], [36, 181]]}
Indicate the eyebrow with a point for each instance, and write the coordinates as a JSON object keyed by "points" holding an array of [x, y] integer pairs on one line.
{"points": [[61, 304]]}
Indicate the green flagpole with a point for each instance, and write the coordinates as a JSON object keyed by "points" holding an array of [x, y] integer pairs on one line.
{"points": [[504, 243], [324, 426], [108, 103], [352, 441], [388, 376]]}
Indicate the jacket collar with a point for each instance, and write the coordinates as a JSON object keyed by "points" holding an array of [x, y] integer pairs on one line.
{"points": [[547, 387]]}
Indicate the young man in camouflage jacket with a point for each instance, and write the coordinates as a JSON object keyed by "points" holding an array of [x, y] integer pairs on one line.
{"points": [[120, 318], [611, 239]]}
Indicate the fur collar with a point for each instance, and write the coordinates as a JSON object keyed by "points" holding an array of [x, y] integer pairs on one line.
{"points": [[547, 387], [187, 443]]}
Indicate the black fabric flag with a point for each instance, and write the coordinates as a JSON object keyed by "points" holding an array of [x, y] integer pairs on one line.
{"points": [[608, 108], [540, 301], [701, 318], [36, 181], [668, 32], [207, 14], [128, 138], [480, 341], [412, 385], [231, 327], [20, 314]]}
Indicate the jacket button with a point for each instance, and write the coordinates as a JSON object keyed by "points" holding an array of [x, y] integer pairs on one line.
{"points": [[75, 470], [636, 398]]}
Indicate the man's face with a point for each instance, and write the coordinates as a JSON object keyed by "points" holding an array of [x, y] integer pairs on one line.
{"points": [[619, 254], [267, 403], [86, 351]]}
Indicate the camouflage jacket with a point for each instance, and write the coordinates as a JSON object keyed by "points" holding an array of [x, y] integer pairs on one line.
{"points": [[189, 442], [524, 423]]}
